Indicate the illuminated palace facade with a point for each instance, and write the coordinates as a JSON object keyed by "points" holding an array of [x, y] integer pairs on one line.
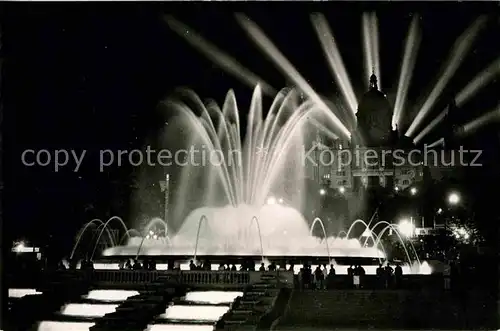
{"points": [[380, 157]]}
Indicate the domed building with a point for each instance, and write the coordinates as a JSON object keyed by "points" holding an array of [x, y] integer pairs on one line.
{"points": [[379, 163], [374, 118]]}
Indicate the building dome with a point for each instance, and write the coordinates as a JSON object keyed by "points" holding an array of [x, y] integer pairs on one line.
{"points": [[374, 117]]}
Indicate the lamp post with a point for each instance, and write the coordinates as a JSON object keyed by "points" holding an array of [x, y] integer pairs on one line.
{"points": [[453, 200], [165, 185]]}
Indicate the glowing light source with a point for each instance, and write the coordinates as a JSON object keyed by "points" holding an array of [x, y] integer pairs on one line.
{"points": [[64, 326], [396, 189], [478, 82], [103, 266], [440, 211], [475, 124], [482, 79], [371, 45], [21, 292], [406, 228], [19, 248], [334, 59], [375, 48], [280, 200], [461, 233], [439, 142], [87, 309], [225, 61], [267, 46], [271, 201], [194, 313], [212, 297], [453, 198], [322, 191], [409, 58], [413, 191], [430, 126], [367, 45], [457, 55], [110, 295], [342, 189]]}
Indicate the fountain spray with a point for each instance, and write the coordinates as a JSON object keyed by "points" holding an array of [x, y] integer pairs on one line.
{"points": [[165, 185]]}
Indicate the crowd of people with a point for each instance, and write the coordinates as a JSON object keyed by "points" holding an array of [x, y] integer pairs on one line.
{"points": [[85, 264], [319, 279], [322, 278], [136, 265]]}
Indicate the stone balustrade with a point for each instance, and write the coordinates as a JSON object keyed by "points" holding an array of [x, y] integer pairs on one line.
{"points": [[124, 276], [191, 277]]}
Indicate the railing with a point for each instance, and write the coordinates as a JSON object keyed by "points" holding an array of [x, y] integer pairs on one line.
{"points": [[191, 277], [124, 276], [215, 277]]}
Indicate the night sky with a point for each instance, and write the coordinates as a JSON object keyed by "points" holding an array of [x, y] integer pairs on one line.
{"points": [[90, 76]]}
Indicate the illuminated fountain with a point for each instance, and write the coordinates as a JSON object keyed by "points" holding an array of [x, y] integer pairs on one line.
{"points": [[238, 214], [232, 217]]}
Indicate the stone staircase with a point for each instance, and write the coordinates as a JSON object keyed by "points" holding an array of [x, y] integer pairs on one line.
{"points": [[56, 291], [135, 313], [246, 311]]}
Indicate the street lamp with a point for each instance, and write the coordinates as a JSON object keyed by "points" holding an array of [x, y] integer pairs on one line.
{"points": [[406, 228], [453, 199], [322, 191], [19, 247]]}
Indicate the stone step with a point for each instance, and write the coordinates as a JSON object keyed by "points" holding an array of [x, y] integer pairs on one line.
{"points": [[239, 311], [234, 321], [263, 285], [251, 296], [250, 302]]}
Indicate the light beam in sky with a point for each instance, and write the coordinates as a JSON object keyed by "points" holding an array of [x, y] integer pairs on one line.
{"points": [[455, 59], [224, 60]]}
